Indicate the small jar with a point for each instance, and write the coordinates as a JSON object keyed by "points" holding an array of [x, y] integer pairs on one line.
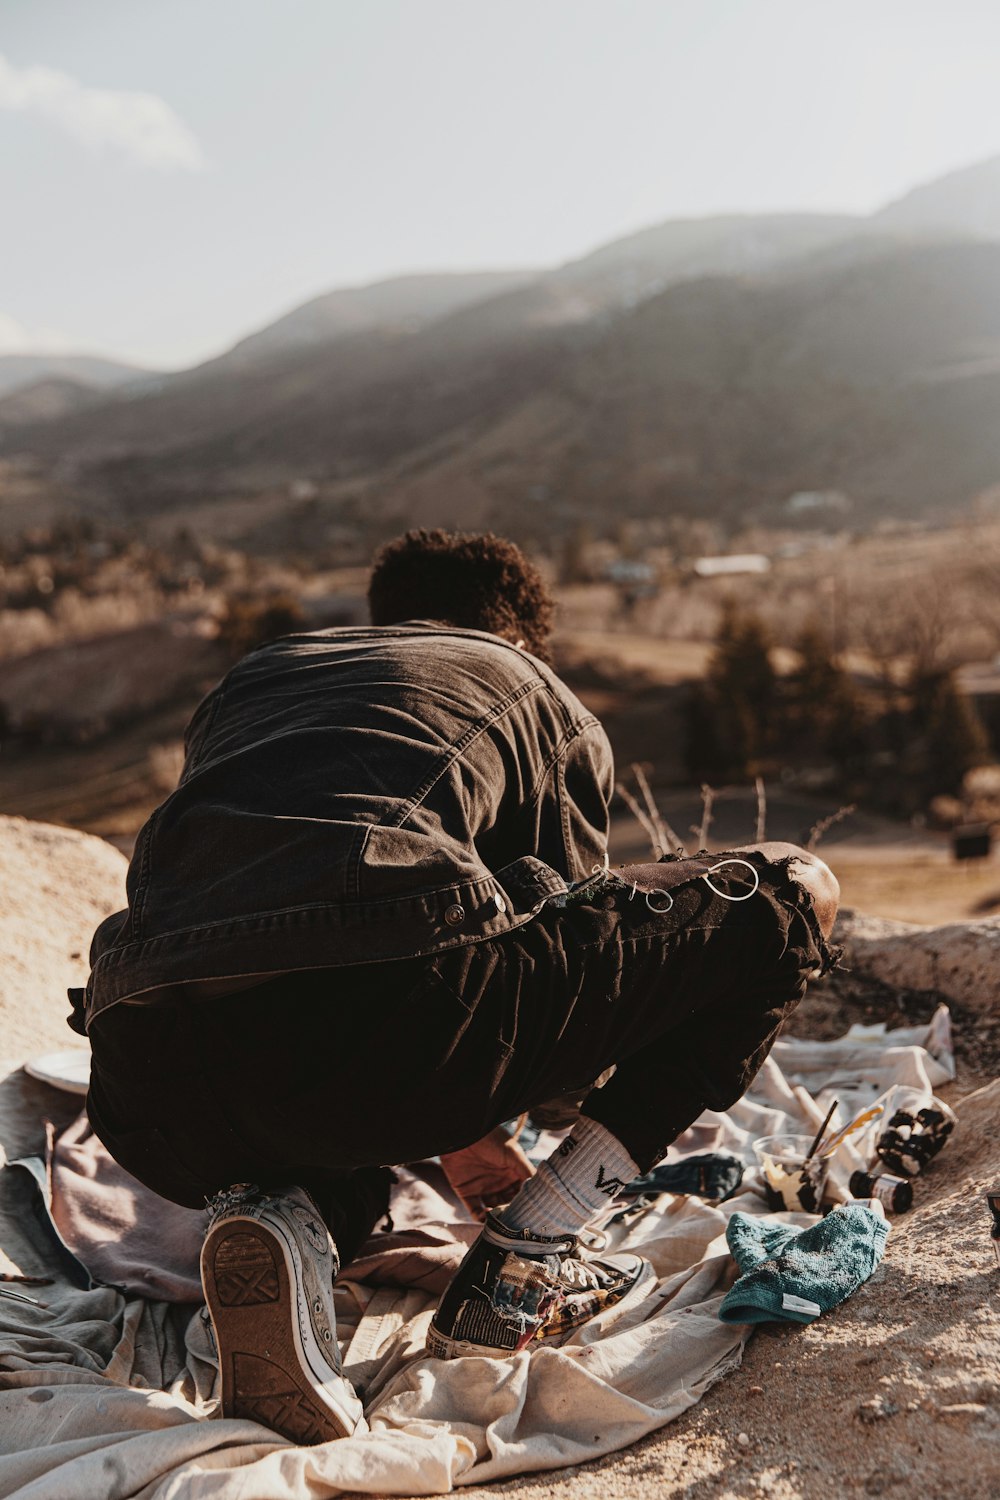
{"points": [[894, 1193]]}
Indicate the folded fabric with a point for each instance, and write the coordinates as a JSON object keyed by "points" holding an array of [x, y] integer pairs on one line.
{"points": [[714, 1175], [792, 1275]]}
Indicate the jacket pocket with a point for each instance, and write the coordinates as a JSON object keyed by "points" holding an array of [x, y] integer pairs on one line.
{"points": [[480, 983]]}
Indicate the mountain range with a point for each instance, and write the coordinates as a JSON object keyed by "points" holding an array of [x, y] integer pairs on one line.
{"points": [[708, 365], [20, 370]]}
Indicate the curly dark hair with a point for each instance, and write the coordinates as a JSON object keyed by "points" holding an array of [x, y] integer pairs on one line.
{"points": [[475, 582]]}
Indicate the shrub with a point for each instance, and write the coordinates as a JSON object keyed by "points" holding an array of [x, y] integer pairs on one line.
{"points": [[249, 622]]}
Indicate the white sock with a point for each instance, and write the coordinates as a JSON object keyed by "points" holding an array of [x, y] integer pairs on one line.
{"points": [[577, 1181]]}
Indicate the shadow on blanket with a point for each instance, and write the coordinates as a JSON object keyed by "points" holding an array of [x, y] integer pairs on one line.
{"points": [[104, 1391]]}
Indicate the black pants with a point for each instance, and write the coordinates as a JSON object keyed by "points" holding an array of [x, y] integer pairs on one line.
{"points": [[324, 1077]]}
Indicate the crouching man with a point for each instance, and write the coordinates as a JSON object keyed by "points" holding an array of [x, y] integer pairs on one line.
{"points": [[375, 920]]}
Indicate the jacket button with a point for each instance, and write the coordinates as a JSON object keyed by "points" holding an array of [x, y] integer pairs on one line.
{"points": [[499, 902], [454, 915]]}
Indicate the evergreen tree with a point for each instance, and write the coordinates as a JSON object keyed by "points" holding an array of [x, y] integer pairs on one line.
{"points": [[744, 684], [826, 707], [952, 734], [708, 748], [817, 678], [847, 738], [730, 714]]}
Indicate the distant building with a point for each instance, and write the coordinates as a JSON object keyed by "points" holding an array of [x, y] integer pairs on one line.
{"points": [[302, 489], [623, 570], [806, 500], [736, 562]]}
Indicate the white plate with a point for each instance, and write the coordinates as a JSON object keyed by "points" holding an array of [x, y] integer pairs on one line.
{"points": [[69, 1070]]}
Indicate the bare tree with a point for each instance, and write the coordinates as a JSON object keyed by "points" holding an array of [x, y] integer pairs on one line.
{"points": [[666, 836], [910, 632], [662, 838], [701, 831], [817, 831], [641, 817], [761, 810]]}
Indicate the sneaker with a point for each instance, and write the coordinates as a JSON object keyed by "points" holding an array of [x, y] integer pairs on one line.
{"points": [[514, 1287], [267, 1267]]}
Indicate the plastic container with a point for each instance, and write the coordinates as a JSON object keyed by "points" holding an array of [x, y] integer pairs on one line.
{"points": [[790, 1180]]}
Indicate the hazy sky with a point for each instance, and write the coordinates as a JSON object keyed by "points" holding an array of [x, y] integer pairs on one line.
{"points": [[174, 173]]}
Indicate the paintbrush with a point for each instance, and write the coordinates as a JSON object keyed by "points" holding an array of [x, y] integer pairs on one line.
{"points": [[851, 1127], [20, 1297], [821, 1132]]}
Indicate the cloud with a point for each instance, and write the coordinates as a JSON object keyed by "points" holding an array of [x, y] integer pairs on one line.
{"points": [[142, 126]]}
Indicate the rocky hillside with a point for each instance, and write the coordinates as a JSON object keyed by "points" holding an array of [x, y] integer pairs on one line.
{"points": [[407, 302], [880, 378], [967, 201], [712, 366], [17, 370]]}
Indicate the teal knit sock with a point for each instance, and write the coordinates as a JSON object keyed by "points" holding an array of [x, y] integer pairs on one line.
{"points": [[792, 1275]]}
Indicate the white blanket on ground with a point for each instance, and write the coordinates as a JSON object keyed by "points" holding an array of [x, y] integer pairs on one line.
{"points": [[104, 1395]]}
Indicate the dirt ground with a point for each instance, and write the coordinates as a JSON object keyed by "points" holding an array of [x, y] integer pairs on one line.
{"points": [[922, 886], [897, 1392]]}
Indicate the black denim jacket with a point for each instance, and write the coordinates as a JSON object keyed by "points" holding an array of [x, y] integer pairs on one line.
{"points": [[353, 795]]}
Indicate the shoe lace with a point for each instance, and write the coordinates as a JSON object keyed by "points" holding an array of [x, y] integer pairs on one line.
{"points": [[230, 1199], [579, 1275]]}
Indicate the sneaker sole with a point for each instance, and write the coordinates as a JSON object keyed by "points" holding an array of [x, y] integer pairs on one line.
{"points": [[440, 1347], [249, 1277]]}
